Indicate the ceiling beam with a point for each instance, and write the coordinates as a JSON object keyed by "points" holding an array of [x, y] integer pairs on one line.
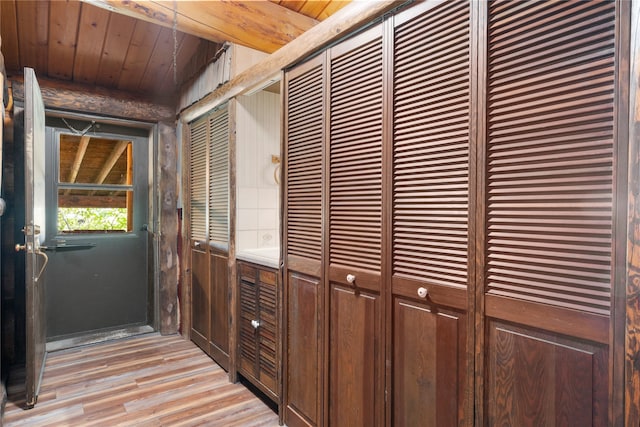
{"points": [[111, 161], [347, 19], [260, 25], [77, 161]]}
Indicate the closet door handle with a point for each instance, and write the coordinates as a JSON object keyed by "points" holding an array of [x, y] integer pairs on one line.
{"points": [[255, 324], [423, 292], [351, 278]]}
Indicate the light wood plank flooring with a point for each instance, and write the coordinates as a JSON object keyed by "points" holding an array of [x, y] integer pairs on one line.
{"points": [[145, 381]]}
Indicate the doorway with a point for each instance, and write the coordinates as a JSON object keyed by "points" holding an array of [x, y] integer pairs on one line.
{"points": [[99, 283]]}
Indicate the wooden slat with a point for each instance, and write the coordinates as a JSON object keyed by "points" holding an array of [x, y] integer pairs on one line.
{"points": [[114, 51], [355, 205], [93, 26], [10, 34], [150, 380], [198, 179], [431, 146], [305, 123], [63, 31], [550, 153], [135, 63], [219, 176], [159, 62], [33, 30]]}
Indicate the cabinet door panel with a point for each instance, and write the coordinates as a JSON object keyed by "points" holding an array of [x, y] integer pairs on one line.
{"points": [[303, 345], [550, 203], [248, 352], [267, 332], [428, 367], [539, 379], [219, 340], [354, 358], [200, 299], [432, 204]]}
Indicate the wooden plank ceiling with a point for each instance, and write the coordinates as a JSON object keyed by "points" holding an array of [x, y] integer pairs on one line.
{"points": [[129, 45]]}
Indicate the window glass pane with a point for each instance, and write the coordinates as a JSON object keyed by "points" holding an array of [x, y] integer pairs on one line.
{"points": [[102, 211], [92, 160]]}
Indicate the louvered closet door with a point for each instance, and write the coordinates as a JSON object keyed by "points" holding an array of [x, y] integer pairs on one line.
{"points": [[200, 288], [304, 131], [549, 212], [355, 227], [430, 282], [218, 185]]}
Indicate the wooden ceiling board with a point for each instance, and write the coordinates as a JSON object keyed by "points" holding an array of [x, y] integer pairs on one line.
{"points": [[33, 31], [9, 31], [128, 44], [160, 62], [143, 42], [92, 29], [114, 52], [315, 9], [331, 8], [63, 32]]}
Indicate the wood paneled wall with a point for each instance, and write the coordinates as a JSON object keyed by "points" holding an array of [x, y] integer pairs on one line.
{"points": [[459, 171]]}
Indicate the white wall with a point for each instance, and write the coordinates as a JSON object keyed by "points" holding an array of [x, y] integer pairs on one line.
{"points": [[257, 139]]}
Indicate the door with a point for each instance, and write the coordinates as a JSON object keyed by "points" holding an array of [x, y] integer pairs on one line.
{"points": [[34, 231], [431, 215], [356, 364], [550, 204], [98, 243]]}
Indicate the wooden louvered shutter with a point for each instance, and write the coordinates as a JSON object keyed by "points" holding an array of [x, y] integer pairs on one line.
{"points": [[355, 230], [305, 133], [356, 157], [219, 177], [198, 179], [549, 210], [304, 139], [431, 140]]}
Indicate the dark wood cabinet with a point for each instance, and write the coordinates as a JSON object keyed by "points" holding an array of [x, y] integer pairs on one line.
{"points": [[450, 219], [210, 303], [259, 335]]}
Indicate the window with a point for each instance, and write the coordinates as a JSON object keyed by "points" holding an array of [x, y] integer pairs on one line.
{"points": [[95, 185]]}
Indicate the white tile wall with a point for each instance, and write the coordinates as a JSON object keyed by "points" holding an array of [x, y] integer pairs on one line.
{"points": [[257, 139]]}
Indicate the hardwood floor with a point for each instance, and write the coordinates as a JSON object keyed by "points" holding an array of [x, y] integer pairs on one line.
{"points": [[149, 381]]}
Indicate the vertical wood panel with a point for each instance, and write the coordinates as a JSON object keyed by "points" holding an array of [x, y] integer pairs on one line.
{"points": [[200, 299], [219, 309], [63, 29], [429, 369], [354, 358], [303, 346], [93, 26], [540, 380], [168, 250], [33, 28], [116, 45], [143, 40]]}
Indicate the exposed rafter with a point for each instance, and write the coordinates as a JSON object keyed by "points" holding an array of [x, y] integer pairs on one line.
{"points": [[260, 25], [77, 161], [111, 161]]}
